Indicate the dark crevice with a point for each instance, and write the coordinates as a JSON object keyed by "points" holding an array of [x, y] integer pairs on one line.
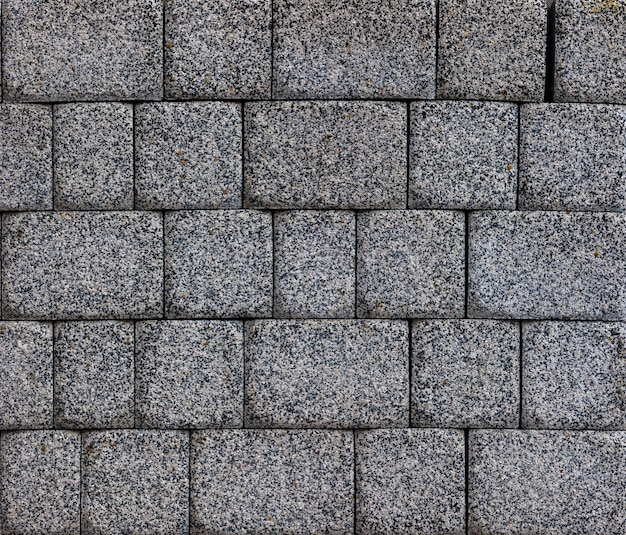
{"points": [[550, 44], [467, 214], [466, 433], [410, 373], [521, 352]]}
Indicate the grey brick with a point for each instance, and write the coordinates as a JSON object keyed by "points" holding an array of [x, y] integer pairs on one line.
{"points": [[94, 374], [466, 373], [93, 156], [544, 265], [188, 155], [410, 481], [463, 155], [189, 374], [492, 50], [219, 49], [410, 264], [218, 264], [547, 482], [325, 155], [82, 265], [274, 481], [327, 373], [67, 50], [339, 49], [315, 264], [135, 482]]}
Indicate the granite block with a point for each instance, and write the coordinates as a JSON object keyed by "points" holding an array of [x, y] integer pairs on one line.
{"points": [[189, 374], [327, 374], [410, 481], [410, 264], [465, 373], [26, 156], [26, 370], [354, 49], [546, 482], [40, 482], [315, 264], [219, 49], [463, 155], [218, 264], [82, 265], [572, 157], [325, 155], [547, 265], [188, 155], [71, 50], [574, 375], [135, 481], [93, 156], [272, 481], [492, 50], [94, 374]]}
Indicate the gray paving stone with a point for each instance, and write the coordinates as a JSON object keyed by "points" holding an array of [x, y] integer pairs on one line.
{"points": [[40, 482], [188, 155], [314, 265], [26, 156], [93, 156], [219, 49], [26, 370], [327, 373], [547, 482], [410, 481], [325, 155], [410, 264], [492, 50], [189, 374], [82, 265], [94, 374], [574, 375], [135, 481], [572, 157], [466, 373], [463, 155], [69, 50], [342, 49], [272, 481], [547, 265], [218, 264]]}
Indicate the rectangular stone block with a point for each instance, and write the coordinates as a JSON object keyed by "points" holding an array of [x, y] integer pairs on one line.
{"points": [[82, 265], [547, 265], [272, 481], [325, 155]]}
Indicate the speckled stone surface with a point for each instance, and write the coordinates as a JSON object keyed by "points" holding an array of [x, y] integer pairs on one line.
{"points": [[547, 265], [410, 264], [218, 264], [40, 482], [93, 374], [574, 375], [82, 265], [93, 156], [572, 157], [189, 374], [72, 50], [135, 481], [547, 482], [492, 50], [274, 481], [219, 49], [325, 155], [342, 49], [466, 373], [188, 155], [463, 155], [314, 269], [410, 481]]}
